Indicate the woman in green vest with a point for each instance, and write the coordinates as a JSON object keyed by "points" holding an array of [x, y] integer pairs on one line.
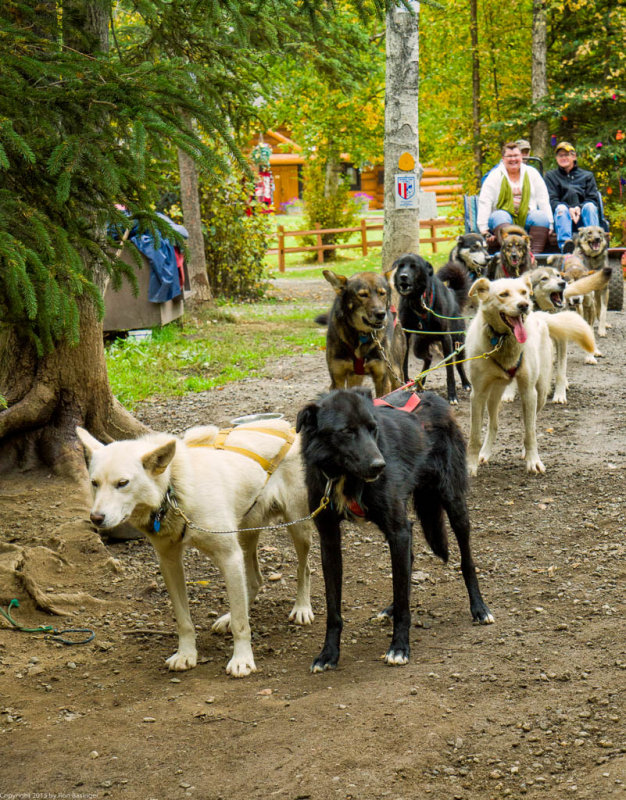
{"points": [[514, 193]]}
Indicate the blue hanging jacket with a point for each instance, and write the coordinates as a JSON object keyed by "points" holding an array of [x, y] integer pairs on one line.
{"points": [[164, 278]]}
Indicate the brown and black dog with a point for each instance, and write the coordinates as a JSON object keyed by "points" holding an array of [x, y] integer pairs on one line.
{"points": [[514, 257], [363, 335]]}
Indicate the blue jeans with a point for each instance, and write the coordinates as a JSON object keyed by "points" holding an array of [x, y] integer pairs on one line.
{"points": [[563, 221], [535, 217]]}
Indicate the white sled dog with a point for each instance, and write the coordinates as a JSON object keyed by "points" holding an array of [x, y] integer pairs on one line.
{"points": [[243, 477], [517, 342]]}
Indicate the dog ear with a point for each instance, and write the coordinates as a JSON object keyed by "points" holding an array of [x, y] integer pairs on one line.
{"points": [[89, 443], [388, 275], [158, 460], [527, 280], [365, 393], [307, 417], [479, 287], [338, 282]]}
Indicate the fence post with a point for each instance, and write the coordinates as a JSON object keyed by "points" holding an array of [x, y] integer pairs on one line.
{"points": [[433, 237], [281, 248], [363, 236], [320, 252]]}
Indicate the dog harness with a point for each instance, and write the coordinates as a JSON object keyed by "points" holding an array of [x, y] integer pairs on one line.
{"points": [[364, 338], [219, 443], [497, 339], [269, 465]]}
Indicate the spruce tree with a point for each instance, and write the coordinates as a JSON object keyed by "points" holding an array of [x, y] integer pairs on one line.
{"points": [[90, 102]]}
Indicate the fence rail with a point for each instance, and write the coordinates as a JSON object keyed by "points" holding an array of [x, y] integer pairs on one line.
{"points": [[432, 225]]}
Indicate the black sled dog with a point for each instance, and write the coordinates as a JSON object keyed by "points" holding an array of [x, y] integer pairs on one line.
{"points": [[369, 461], [432, 312]]}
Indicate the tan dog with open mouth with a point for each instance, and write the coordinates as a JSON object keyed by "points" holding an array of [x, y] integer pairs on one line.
{"points": [[517, 344]]}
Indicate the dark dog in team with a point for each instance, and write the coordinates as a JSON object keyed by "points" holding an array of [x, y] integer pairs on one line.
{"points": [[363, 335], [470, 251], [514, 257], [431, 311], [369, 461]]}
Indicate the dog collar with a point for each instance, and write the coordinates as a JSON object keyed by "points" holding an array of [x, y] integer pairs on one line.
{"points": [[169, 501]]}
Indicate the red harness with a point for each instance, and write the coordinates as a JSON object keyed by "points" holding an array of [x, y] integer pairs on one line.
{"points": [[410, 405]]}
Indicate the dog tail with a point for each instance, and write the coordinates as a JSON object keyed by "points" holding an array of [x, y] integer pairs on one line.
{"points": [[568, 326], [430, 515], [457, 278], [322, 319], [595, 281]]}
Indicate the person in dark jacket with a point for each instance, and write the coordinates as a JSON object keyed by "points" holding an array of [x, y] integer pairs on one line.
{"points": [[573, 196]]}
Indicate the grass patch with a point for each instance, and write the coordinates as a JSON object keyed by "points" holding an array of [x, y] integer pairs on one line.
{"points": [[215, 347]]}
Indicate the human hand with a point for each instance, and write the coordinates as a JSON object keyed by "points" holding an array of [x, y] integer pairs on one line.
{"points": [[575, 214]]}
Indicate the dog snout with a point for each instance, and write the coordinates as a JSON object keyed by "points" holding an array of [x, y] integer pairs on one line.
{"points": [[523, 306], [375, 467], [97, 519], [380, 315]]}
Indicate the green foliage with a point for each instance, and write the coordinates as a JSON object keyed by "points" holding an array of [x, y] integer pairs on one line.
{"points": [[235, 241], [328, 210]]}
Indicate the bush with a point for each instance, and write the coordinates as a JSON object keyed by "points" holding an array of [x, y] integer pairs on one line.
{"points": [[615, 212], [334, 211], [236, 233]]}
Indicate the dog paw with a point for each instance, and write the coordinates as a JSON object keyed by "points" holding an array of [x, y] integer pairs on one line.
{"points": [[472, 469], [397, 658], [591, 359], [598, 354], [222, 624], [240, 667], [483, 616], [182, 660], [559, 397], [302, 615], [453, 401], [602, 333], [535, 466], [327, 659]]}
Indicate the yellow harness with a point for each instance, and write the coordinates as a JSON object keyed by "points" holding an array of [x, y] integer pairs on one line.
{"points": [[269, 465]]}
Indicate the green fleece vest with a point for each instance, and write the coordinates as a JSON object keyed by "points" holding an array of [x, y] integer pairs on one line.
{"points": [[505, 200]]}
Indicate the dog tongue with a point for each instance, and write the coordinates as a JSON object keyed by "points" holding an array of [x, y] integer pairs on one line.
{"points": [[518, 329]]}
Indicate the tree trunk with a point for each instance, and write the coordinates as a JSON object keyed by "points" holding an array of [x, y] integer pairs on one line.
{"points": [[401, 228], [476, 134], [190, 201], [539, 76], [47, 396]]}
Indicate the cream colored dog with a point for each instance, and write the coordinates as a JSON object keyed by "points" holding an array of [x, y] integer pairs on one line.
{"points": [[549, 293], [145, 481], [517, 342]]}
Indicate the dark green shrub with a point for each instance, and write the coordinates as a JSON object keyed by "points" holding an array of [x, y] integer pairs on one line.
{"points": [[235, 241]]}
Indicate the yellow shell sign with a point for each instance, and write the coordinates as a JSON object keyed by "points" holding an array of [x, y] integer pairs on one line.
{"points": [[406, 162]]}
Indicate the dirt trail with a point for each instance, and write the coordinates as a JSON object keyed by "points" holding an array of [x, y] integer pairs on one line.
{"points": [[532, 706]]}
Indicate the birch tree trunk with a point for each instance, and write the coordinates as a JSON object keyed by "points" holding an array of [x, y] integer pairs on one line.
{"points": [[190, 201], [476, 134], [539, 76], [401, 228]]}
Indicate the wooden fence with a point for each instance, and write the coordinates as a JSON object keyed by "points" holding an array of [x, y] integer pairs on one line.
{"points": [[432, 225]]}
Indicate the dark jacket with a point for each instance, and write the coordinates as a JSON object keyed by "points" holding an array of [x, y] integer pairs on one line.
{"points": [[572, 188]]}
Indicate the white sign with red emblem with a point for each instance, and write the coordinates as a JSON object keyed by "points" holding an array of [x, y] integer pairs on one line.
{"points": [[406, 190]]}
